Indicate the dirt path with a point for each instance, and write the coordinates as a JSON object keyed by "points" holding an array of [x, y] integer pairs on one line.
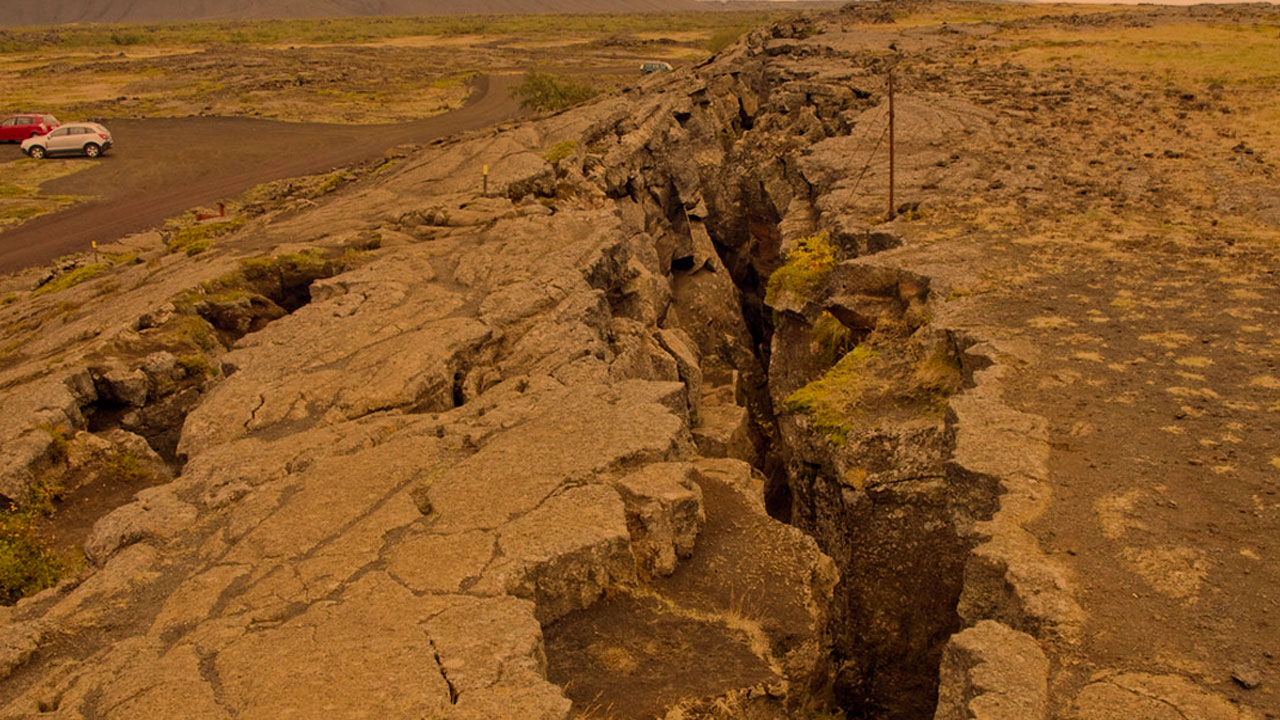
{"points": [[163, 167]]}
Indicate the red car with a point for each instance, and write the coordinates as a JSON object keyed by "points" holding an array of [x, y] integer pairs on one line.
{"points": [[17, 128]]}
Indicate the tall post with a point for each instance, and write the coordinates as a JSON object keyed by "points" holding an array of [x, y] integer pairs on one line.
{"points": [[892, 210]]}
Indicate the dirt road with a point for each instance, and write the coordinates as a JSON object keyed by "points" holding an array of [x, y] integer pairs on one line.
{"points": [[161, 168]]}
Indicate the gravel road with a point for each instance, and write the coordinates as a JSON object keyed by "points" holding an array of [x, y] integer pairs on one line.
{"points": [[163, 167]]}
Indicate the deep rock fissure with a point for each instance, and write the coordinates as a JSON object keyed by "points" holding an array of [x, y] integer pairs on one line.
{"points": [[900, 555], [897, 543]]}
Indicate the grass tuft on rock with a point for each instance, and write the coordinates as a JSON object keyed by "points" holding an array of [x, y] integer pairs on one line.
{"points": [[885, 376], [124, 466]]}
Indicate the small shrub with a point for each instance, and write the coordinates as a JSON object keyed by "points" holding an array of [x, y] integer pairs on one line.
{"points": [[560, 151], [27, 566], [59, 445], [547, 92], [331, 183], [126, 38], [804, 272], [9, 299], [124, 466]]}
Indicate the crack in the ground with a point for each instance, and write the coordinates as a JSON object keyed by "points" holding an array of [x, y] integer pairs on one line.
{"points": [[453, 691]]}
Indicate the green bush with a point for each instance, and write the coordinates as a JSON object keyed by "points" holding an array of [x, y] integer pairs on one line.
{"points": [[544, 91]]}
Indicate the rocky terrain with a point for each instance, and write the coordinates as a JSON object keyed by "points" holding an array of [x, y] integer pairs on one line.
{"points": [[668, 417]]}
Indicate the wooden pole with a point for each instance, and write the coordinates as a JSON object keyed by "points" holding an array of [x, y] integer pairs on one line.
{"points": [[892, 210]]}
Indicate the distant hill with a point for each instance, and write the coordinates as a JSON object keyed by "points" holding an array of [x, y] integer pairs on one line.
{"points": [[57, 12]]}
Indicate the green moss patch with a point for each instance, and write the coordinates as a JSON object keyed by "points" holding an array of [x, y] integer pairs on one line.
{"points": [[804, 273], [560, 151], [883, 377], [831, 400]]}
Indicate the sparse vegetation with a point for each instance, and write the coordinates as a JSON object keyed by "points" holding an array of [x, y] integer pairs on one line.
{"points": [[357, 70], [195, 332], [805, 271], [20, 196], [71, 279], [937, 377], [195, 239], [547, 92], [364, 30], [888, 374], [124, 466], [26, 565], [307, 262], [22, 212]]}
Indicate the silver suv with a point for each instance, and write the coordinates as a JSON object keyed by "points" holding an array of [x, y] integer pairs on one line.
{"points": [[71, 139]]}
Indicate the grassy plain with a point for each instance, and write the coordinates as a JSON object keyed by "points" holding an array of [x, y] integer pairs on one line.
{"points": [[351, 70], [20, 196]]}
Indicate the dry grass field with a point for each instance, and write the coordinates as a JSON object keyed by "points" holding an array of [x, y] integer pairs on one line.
{"points": [[362, 70]]}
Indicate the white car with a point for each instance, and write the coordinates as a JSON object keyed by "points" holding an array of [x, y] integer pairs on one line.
{"points": [[86, 138]]}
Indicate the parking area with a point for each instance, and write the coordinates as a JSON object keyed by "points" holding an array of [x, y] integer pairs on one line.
{"points": [[160, 168]]}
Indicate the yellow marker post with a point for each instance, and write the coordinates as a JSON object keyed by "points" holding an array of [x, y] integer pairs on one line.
{"points": [[94, 243], [485, 170]]}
